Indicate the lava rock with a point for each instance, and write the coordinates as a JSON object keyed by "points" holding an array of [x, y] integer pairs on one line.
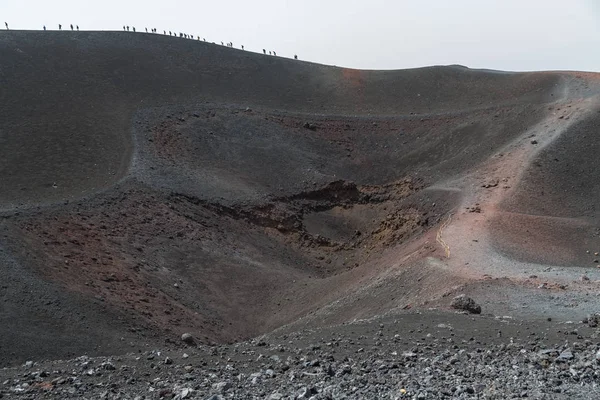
{"points": [[465, 303], [592, 320], [310, 126], [306, 393], [222, 387], [187, 338]]}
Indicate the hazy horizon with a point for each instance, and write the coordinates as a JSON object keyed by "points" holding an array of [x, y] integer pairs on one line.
{"points": [[504, 35]]}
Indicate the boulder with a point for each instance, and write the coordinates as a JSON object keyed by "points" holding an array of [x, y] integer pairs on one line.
{"points": [[466, 303], [187, 338]]}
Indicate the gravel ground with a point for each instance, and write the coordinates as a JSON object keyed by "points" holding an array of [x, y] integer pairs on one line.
{"points": [[414, 356]]}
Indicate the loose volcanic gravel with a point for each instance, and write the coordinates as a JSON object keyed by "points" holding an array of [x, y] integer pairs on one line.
{"points": [[362, 360]]}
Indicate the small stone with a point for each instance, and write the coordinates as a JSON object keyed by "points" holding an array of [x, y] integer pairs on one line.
{"points": [[108, 366], [165, 393], [306, 393], [490, 183], [345, 369], [330, 371], [187, 338], [255, 377], [221, 387], [565, 356], [310, 126]]}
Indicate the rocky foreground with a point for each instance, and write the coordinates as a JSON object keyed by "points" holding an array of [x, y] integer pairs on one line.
{"points": [[414, 356]]}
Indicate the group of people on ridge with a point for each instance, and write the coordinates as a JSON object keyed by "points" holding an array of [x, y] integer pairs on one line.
{"points": [[154, 30]]}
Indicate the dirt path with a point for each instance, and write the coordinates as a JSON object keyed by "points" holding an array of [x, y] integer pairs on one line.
{"points": [[466, 239]]}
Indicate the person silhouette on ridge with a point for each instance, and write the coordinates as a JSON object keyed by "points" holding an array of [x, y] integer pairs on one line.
{"points": [[6, 24], [44, 27], [59, 27], [71, 26]]}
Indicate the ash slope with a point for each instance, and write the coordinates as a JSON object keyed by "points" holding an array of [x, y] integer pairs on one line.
{"points": [[557, 201], [154, 185], [69, 98]]}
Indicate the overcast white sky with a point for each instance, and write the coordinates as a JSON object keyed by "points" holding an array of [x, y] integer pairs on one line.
{"points": [[513, 35]]}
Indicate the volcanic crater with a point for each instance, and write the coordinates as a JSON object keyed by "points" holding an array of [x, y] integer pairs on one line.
{"points": [[153, 186]]}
